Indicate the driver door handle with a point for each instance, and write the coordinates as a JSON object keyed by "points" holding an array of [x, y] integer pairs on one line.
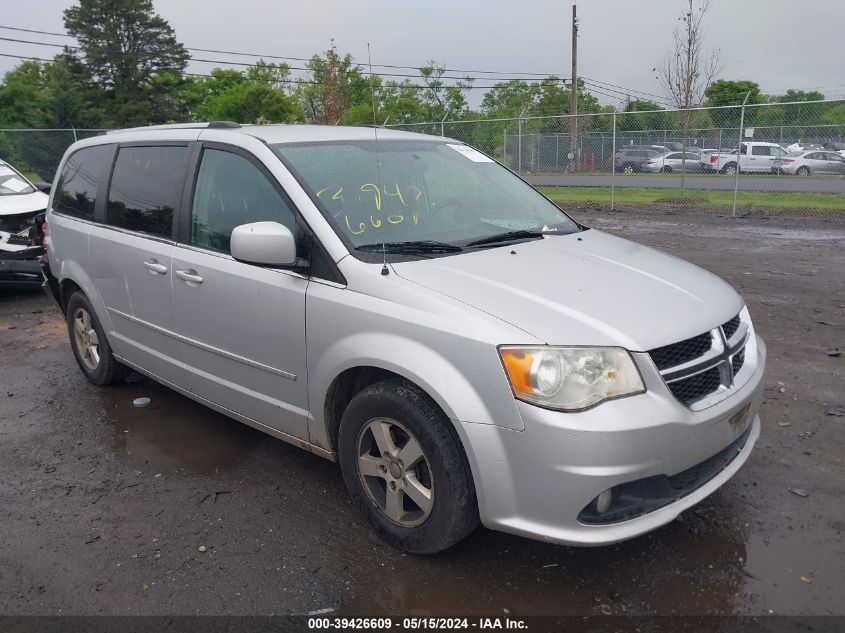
{"points": [[190, 276], [155, 267]]}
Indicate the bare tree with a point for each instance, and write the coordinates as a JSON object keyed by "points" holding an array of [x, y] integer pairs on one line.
{"points": [[688, 68]]}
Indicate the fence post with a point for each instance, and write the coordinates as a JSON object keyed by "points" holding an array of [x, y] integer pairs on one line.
{"points": [[519, 143], [613, 166], [505, 147], [739, 150], [442, 125]]}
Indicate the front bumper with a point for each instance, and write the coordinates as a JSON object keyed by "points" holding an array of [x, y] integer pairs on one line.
{"points": [[536, 482]]}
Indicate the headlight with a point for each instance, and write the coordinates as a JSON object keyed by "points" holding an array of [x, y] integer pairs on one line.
{"points": [[570, 378]]}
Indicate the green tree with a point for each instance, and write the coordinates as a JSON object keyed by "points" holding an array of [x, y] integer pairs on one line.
{"points": [[728, 92], [128, 57], [254, 96]]}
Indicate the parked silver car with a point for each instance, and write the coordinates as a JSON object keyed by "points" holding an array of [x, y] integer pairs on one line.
{"points": [[689, 162], [804, 163], [406, 306]]}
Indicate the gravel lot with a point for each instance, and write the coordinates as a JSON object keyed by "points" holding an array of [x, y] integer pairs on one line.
{"points": [[104, 507]]}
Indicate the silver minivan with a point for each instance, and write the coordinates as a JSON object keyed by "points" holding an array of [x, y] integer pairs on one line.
{"points": [[408, 307]]}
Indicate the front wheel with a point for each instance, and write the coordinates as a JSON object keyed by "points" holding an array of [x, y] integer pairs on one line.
{"points": [[628, 168], [405, 469]]}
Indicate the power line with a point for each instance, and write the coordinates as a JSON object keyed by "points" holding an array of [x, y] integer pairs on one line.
{"points": [[626, 91], [400, 86], [299, 59], [302, 68]]}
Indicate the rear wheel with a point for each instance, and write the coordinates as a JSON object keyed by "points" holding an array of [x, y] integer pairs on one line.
{"points": [[667, 170], [405, 468], [803, 171], [729, 169], [89, 343], [628, 168]]}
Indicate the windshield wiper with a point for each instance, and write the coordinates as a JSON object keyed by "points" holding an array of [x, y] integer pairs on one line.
{"points": [[510, 236], [411, 247]]}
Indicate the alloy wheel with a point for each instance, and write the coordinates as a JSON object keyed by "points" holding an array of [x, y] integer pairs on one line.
{"points": [[87, 342], [395, 472]]}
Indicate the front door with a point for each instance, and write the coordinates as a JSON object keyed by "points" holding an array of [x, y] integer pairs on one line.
{"points": [[241, 327]]}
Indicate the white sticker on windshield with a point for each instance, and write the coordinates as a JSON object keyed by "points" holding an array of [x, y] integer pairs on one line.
{"points": [[15, 184], [510, 223], [473, 154], [6, 171]]}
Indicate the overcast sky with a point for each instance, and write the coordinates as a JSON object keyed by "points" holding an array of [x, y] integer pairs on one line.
{"points": [[778, 43]]}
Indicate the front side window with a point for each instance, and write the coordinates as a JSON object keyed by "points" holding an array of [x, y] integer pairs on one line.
{"points": [[146, 187], [400, 191], [12, 182], [231, 191], [82, 176]]}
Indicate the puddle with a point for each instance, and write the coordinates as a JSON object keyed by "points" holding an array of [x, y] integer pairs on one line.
{"points": [[672, 572], [631, 225], [174, 432]]}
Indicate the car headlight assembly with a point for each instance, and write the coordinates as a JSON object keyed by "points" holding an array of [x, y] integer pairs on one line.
{"points": [[570, 378]]}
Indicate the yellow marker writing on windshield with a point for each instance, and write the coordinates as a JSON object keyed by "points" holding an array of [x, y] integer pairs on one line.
{"points": [[376, 192], [397, 193], [362, 227]]}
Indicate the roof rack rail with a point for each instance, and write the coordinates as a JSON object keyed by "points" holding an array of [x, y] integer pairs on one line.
{"points": [[213, 125]]}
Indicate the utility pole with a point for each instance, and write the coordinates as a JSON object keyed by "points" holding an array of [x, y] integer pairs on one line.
{"points": [[573, 109]]}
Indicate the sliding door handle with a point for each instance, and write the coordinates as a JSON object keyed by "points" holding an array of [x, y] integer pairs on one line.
{"points": [[155, 267]]}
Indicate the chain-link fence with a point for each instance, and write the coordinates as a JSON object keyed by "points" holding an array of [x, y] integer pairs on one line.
{"points": [[772, 159]]}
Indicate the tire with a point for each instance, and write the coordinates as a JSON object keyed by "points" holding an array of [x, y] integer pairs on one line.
{"points": [[803, 171], [90, 346], [404, 414], [628, 168], [729, 169], [666, 170]]}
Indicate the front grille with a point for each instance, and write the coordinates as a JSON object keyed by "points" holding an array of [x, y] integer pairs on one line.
{"points": [[731, 327], [683, 352], [694, 388], [738, 361]]}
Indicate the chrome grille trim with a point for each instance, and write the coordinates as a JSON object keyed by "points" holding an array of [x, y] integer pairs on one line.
{"points": [[726, 353]]}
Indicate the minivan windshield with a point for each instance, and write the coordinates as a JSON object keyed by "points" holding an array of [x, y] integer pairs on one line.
{"points": [[426, 195]]}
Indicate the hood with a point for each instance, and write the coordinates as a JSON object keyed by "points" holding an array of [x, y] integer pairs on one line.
{"points": [[587, 288], [23, 203]]}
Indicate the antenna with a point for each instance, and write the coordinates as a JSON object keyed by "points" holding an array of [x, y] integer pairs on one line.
{"points": [[384, 269]]}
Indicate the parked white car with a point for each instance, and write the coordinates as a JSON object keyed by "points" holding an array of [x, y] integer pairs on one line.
{"points": [[754, 157], [669, 162], [818, 163], [404, 305]]}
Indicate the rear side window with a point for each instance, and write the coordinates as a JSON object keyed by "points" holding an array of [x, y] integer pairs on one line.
{"points": [[231, 191], [146, 187], [82, 176]]}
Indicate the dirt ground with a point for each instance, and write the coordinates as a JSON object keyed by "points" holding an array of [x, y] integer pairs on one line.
{"points": [[103, 507]]}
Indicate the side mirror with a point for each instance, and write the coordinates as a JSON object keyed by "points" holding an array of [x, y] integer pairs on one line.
{"points": [[43, 187], [268, 243]]}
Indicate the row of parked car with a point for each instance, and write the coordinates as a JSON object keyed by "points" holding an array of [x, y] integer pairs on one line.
{"points": [[752, 157]]}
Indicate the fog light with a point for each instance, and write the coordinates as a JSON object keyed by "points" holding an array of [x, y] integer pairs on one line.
{"points": [[603, 501]]}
